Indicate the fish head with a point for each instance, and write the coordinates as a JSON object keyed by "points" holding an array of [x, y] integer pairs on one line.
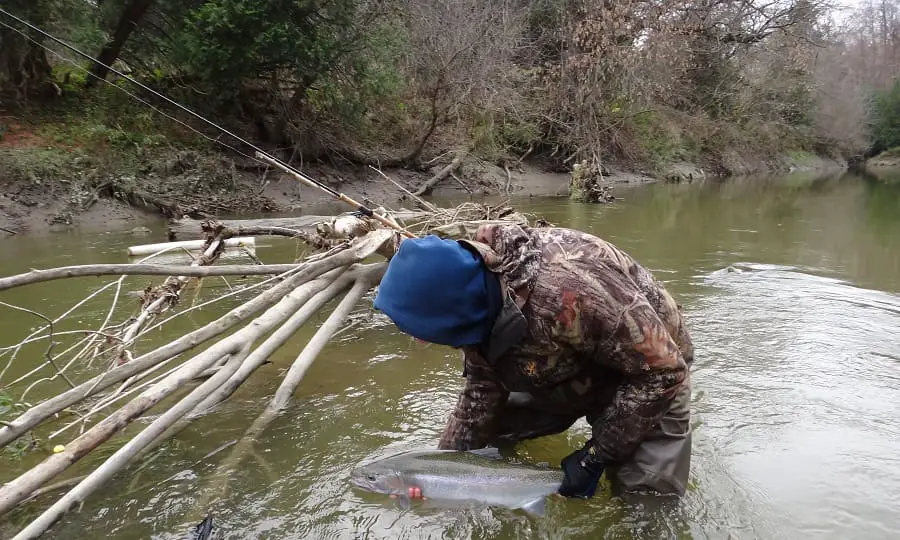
{"points": [[379, 479]]}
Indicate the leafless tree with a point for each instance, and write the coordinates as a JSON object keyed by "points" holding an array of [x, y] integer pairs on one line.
{"points": [[459, 58]]}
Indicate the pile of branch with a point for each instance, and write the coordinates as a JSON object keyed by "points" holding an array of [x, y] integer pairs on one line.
{"points": [[111, 382], [587, 184]]}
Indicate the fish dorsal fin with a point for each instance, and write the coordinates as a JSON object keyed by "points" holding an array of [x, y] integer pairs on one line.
{"points": [[536, 507]]}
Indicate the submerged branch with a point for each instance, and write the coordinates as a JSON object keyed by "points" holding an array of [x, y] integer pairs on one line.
{"points": [[315, 295], [16, 348], [124, 455], [321, 338], [48, 408], [368, 277], [23, 486], [48, 354]]}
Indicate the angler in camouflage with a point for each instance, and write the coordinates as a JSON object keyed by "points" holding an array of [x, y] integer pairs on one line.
{"points": [[555, 325]]}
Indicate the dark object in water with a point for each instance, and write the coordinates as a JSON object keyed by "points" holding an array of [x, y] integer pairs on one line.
{"points": [[203, 531]]}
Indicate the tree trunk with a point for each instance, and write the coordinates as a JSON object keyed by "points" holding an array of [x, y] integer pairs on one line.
{"points": [[24, 70], [131, 16]]}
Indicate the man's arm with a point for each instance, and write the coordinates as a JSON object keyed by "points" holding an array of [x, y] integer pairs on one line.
{"points": [[472, 422], [624, 333]]}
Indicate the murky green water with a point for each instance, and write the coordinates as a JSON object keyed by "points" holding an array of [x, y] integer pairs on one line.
{"points": [[791, 291]]}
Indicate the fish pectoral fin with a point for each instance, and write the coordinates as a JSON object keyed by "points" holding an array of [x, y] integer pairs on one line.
{"points": [[403, 501], [537, 507]]}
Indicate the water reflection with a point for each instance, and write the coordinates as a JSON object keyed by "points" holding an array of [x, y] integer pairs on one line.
{"points": [[790, 287]]}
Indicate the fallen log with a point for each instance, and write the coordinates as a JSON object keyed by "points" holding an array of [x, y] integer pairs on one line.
{"points": [[301, 273], [138, 198], [149, 249], [442, 174], [187, 228], [63, 272], [123, 455], [22, 487], [322, 296], [367, 278]]}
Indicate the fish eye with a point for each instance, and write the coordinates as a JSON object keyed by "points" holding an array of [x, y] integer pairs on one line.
{"points": [[371, 477]]}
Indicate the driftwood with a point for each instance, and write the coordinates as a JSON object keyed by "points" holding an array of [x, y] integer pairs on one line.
{"points": [[186, 386], [442, 174], [235, 344], [301, 274], [187, 228], [364, 280], [160, 298], [316, 294], [24, 485], [41, 412], [38, 276], [122, 456], [188, 245]]}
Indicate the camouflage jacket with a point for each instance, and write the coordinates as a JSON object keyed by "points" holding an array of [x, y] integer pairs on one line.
{"points": [[584, 327]]}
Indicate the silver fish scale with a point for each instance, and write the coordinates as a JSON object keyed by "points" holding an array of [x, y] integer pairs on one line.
{"points": [[452, 475]]}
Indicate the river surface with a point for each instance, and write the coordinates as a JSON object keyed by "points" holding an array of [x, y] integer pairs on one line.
{"points": [[791, 288]]}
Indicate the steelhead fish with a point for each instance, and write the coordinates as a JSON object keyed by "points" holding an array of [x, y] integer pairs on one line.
{"points": [[460, 476]]}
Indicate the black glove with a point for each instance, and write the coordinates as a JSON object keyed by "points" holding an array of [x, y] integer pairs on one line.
{"points": [[583, 471]]}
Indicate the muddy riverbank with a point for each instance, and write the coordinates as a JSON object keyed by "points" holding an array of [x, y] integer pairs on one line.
{"points": [[93, 198], [55, 188]]}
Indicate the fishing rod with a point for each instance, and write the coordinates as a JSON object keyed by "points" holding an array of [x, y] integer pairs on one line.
{"points": [[260, 153]]}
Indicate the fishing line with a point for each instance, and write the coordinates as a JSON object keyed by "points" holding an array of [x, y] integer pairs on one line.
{"points": [[265, 156], [135, 96], [166, 99]]}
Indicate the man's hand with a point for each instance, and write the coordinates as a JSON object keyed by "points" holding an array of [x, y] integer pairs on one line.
{"points": [[582, 473]]}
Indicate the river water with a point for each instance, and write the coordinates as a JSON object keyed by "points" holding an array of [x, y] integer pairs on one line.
{"points": [[790, 287]]}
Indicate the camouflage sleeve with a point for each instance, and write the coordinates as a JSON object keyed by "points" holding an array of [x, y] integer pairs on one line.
{"points": [[629, 337], [471, 424]]}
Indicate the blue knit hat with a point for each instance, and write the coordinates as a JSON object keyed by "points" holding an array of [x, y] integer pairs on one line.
{"points": [[441, 292]]}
